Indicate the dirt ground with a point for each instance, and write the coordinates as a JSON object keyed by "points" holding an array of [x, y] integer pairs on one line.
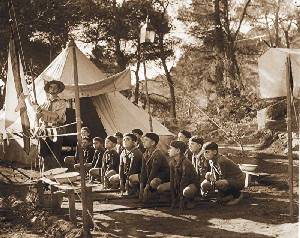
{"points": [[262, 213]]}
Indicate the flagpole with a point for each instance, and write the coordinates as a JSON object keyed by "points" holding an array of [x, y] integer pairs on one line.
{"points": [[147, 36], [86, 231]]}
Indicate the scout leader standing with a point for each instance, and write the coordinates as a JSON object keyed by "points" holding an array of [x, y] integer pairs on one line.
{"points": [[155, 168], [184, 183], [51, 115], [130, 165], [225, 175]]}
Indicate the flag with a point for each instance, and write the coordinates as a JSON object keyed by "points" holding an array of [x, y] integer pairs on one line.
{"points": [[16, 117]]}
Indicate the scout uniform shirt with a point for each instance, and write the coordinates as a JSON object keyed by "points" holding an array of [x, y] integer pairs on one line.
{"points": [[225, 168], [97, 158], [154, 165], [58, 107], [181, 175], [111, 161], [130, 163], [201, 165], [88, 154]]}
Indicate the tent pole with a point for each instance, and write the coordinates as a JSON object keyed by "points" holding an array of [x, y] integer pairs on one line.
{"points": [[33, 83], [79, 148], [147, 97], [289, 130]]}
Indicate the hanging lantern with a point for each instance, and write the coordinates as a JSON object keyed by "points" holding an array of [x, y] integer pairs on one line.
{"points": [[147, 33]]}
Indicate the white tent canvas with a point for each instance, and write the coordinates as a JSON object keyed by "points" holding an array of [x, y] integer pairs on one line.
{"points": [[272, 72], [116, 112], [92, 81]]}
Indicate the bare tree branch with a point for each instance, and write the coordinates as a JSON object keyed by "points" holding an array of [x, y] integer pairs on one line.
{"points": [[242, 19]]}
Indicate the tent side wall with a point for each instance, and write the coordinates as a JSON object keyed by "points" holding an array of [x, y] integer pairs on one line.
{"points": [[117, 113]]}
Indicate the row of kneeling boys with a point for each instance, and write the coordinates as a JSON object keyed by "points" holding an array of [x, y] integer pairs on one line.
{"points": [[134, 163]]}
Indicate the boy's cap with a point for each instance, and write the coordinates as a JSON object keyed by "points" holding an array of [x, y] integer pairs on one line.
{"points": [[137, 131], [197, 139], [210, 146], [186, 133], [152, 136], [118, 134], [132, 136], [179, 145], [112, 139], [99, 139]]}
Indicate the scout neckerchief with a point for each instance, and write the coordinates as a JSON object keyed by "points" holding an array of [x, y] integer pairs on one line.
{"points": [[129, 156], [195, 161], [178, 175], [97, 157], [150, 155], [215, 170]]}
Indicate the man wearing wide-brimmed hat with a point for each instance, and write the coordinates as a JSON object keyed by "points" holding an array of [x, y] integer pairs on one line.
{"points": [[51, 115]]}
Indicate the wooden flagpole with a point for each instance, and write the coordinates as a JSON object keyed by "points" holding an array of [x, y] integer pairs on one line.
{"points": [[86, 231], [289, 131]]}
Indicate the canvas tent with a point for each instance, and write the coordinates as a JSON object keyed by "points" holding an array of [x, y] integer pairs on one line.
{"points": [[103, 108], [272, 72], [115, 111]]}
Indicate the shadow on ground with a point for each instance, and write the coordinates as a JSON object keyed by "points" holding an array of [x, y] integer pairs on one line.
{"points": [[255, 216]]}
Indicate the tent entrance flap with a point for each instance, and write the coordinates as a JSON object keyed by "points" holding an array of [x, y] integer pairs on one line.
{"points": [[90, 119]]}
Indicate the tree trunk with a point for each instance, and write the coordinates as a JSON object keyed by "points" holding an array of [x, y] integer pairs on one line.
{"points": [[276, 25], [232, 68], [121, 58], [172, 89], [168, 76], [219, 49], [286, 36], [234, 72]]}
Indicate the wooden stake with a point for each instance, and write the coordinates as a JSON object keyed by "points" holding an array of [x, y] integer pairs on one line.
{"points": [[147, 97], [72, 209], [86, 231], [289, 131]]}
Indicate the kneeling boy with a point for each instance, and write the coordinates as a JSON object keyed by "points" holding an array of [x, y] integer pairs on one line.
{"points": [[130, 165], [155, 168], [225, 176], [184, 183]]}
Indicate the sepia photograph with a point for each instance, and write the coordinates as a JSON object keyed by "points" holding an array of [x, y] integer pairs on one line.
{"points": [[149, 118]]}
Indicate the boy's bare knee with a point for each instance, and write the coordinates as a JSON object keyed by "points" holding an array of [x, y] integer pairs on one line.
{"points": [[190, 191], [155, 183], [206, 185], [222, 184]]}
